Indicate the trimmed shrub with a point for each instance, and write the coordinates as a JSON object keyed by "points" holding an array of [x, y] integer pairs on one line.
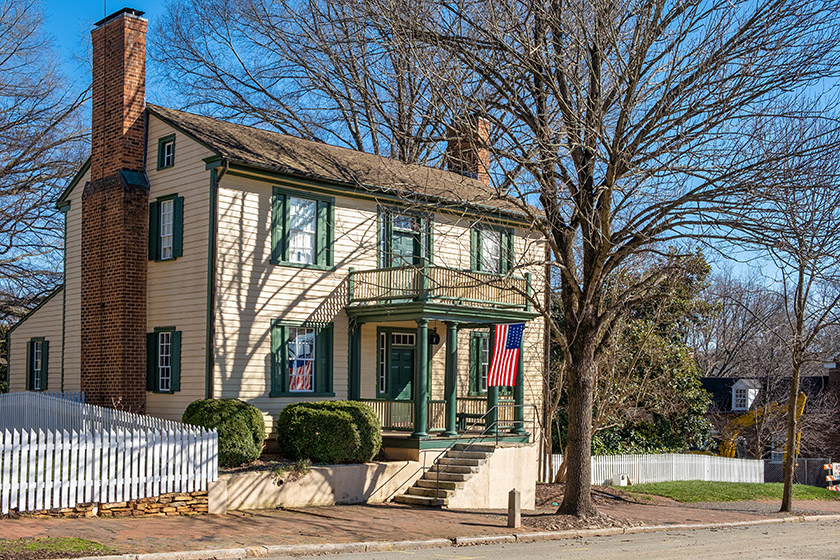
{"points": [[320, 435], [366, 422], [240, 425]]}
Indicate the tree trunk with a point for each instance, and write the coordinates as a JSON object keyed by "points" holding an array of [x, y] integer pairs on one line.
{"points": [[790, 443], [577, 499]]}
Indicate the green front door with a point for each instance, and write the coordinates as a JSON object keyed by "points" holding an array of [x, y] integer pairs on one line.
{"points": [[402, 372]]}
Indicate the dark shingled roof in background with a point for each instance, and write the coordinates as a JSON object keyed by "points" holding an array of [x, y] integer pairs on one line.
{"points": [[721, 389], [365, 172]]}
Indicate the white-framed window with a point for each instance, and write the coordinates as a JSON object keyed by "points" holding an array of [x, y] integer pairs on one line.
{"points": [[302, 230], [37, 364], [743, 395], [491, 250], [167, 231], [740, 398], [169, 154], [301, 360], [164, 361], [403, 339], [483, 363]]}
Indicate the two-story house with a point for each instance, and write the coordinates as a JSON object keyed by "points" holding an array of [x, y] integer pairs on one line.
{"points": [[205, 259]]}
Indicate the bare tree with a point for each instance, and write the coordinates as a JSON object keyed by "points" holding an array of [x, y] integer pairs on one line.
{"points": [[316, 69], [40, 145]]}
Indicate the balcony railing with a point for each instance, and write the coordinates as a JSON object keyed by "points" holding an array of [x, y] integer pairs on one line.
{"points": [[399, 415], [438, 284]]}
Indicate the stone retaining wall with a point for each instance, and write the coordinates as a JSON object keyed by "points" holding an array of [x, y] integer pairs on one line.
{"points": [[189, 503]]}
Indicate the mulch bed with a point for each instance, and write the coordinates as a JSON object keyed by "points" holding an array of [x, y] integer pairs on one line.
{"points": [[550, 496]]}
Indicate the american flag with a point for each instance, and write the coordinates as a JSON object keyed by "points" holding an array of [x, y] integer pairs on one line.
{"points": [[508, 342], [300, 376]]}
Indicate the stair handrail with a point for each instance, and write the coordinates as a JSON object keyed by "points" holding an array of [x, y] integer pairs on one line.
{"points": [[494, 425]]}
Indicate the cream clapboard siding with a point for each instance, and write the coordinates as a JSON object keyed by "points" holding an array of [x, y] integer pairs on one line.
{"points": [[177, 289], [44, 322], [251, 293], [73, 288]]}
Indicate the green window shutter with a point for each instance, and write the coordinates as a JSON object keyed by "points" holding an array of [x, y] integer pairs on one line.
{"points": [[45, 362], [322, 234], [177, 226], [475, 348], [154, 231], [279, 345], [323, 359], [30, 348], [428, 228], [279, 249], [151, 361], [176, 361], [475, 248], [507, 251]]}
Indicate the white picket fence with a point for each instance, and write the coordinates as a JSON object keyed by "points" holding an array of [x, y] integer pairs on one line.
{"points": [[46, 467], [665, 468]]}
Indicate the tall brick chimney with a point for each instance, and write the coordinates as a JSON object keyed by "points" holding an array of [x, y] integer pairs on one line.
{"points": [[115, 221], [467, 150]]}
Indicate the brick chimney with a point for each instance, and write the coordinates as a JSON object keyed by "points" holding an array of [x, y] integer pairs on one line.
{"points": [[115, 220], [467, 150]]}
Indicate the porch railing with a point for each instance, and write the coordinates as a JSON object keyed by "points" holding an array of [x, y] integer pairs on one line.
{"points": [[399, 415], [436, 283]]}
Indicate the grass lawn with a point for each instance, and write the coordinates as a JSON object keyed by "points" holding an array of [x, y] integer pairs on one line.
{"points": [[701, 491], [50, 547]]}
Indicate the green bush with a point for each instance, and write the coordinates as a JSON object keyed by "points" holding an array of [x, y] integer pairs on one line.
{"points": [[366, 422], [240, 425], [318, 434]]}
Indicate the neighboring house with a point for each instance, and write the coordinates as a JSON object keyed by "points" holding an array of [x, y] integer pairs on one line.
{"points": [[759, 422], [205, 259]]}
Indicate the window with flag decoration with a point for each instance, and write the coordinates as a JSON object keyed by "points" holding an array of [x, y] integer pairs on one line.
{"points": [[37, 357], [491, 249], [480, 363], [301, 229], [405, 237], [301, 359], [163, 360], [166, 228]]}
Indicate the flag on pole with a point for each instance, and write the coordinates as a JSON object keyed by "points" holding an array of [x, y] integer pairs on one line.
{"points": [[508, 342]]}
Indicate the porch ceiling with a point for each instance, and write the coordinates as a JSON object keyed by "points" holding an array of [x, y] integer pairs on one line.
{"points": [[412, 311]]}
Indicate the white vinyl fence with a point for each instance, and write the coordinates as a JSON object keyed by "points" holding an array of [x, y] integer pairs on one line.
{"points": [[44, 466], [666, 468]]}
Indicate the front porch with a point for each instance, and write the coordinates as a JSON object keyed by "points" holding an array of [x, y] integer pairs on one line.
{"points": [[406, 306]]}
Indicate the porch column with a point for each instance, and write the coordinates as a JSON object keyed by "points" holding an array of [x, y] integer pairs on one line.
{"points": [[451, 382], [519, 394], [492, 418], [355, 377], [421, 366]]}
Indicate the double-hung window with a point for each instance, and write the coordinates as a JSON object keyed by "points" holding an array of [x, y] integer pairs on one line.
{"points": [[163, 360], [37, 357], [491, 249], [301, 229], [166, 152], [166, 228], [301, 359], [405, 238]]}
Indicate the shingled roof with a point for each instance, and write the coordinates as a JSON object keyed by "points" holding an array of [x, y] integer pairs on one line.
{"points": [[272, 151]]}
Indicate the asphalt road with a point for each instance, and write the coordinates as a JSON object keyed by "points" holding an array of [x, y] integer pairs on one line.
{"points": [[800, 541]]}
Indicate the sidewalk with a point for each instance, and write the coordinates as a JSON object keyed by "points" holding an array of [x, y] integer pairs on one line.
{"points": [[384, 523]]}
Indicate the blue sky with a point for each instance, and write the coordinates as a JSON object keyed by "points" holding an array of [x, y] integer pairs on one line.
{"points": [[69, 22]]}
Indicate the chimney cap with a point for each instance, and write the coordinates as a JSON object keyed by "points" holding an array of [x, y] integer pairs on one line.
{"points": [[115, 15]]}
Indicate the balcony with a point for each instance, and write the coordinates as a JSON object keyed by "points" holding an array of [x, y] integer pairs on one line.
{"points": [[438, 285]]}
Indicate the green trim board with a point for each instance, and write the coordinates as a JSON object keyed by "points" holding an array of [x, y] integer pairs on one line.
{"points": [[323, 234], [322, 383], [161, 151], [73, 182], [209, 343], [64, 208], [414, 310]]}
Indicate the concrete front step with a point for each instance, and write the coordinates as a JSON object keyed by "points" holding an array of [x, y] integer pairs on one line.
{"points": [[471, 447], [449, 476], [480, 455], [420, 500], [430, 492], [444, 484], [462, 461], [454, 469]]}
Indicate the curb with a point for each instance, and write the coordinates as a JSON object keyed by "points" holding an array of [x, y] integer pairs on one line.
{"points": [[384, 546]]}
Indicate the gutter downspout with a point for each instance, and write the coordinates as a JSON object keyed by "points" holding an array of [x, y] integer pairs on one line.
{"points": [[217, 171]]}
